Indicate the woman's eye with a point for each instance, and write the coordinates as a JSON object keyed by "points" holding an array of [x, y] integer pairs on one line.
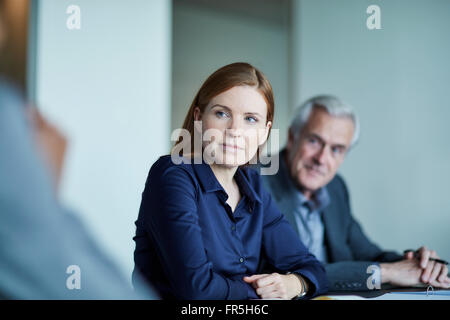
{"points": [[312, 140], [221, 114], [251, 119]]}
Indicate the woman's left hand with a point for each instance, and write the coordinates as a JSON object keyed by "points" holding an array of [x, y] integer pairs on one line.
{"points": [[275, 285]]}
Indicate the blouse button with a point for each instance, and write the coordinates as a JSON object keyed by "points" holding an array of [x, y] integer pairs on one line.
{"points": [[241, 260]]}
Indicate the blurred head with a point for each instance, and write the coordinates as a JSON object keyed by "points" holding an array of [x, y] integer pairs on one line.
{"points": [[322, 132], [50, 142], [232, 113], [2, 29]]}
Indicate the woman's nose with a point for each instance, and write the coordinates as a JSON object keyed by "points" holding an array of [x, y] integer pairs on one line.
{"points": [[235, 127]]}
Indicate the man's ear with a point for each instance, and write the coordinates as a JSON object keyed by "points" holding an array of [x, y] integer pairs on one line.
{"points": [[290, 139]]}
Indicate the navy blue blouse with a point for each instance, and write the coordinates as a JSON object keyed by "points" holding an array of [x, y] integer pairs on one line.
{"points": [[190, 245]]}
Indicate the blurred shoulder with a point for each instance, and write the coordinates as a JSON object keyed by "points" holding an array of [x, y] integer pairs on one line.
{"points": [[337, 183], [337, 189], [10, 93]]}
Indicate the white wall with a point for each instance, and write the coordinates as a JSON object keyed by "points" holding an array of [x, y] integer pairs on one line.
{"points": [[107, 86], [206, 38], [397, 78]]}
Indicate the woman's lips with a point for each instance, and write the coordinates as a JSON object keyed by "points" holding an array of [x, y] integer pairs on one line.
{"points": [[231, 147]]}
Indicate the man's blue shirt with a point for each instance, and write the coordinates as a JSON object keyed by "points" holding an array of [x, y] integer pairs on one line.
{"points": [[306, 213], [190, 245]]}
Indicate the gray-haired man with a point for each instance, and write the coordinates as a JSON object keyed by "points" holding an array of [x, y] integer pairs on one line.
{"points": [[315, 201]]}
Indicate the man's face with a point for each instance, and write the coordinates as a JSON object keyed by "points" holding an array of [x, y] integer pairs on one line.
{"points": [[315, 156]]}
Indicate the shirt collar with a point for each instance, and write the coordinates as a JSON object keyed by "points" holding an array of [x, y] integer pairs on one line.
{"points": [[321, 199], [209, 182], [206, 177], [245, 186]]}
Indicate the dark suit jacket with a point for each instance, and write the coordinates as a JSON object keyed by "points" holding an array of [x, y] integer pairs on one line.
{"points": [[349, 250]]}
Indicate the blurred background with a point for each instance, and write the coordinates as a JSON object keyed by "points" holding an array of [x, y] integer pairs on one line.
{"points": [[120, 84]]}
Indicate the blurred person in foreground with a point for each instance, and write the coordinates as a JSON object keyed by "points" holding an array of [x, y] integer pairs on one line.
{"points": [[45, 251]]}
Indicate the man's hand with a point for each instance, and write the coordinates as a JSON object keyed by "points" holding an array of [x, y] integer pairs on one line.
{"points": [[434, 273], [275, 285], [404, 273], [416, 269], [50, 142]]}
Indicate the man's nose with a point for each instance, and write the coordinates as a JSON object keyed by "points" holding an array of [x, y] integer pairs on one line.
{"points": [[322, 155]]}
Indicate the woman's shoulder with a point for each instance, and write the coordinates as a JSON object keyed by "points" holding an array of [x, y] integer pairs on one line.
{"points": [[168, 183], [170, 165]]}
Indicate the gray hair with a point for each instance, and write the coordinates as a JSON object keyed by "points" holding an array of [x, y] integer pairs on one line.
{"points": [[332, 105]]}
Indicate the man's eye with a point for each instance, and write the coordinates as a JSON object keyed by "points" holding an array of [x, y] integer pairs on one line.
{"points": [[312, 140], [336, 150], [251, 119]]}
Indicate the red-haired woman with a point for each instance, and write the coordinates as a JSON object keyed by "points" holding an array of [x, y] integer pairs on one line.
{"points": [[205, 223]]}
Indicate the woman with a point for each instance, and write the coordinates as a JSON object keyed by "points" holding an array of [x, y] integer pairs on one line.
{"points": [[205, 222]]}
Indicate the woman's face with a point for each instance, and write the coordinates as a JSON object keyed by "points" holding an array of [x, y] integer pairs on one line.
{"points": [[233, 124]]}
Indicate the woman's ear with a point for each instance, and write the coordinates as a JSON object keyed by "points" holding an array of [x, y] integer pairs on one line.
{"points": [[197, 114], [265, 133], [197, 119]]}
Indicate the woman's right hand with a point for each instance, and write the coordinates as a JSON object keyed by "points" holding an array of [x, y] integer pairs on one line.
{"points": [[275, 285]]}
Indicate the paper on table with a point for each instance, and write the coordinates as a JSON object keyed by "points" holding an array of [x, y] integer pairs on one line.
{"points": [[418, 295], [435, 292], [337, 297], [412, 296]]}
